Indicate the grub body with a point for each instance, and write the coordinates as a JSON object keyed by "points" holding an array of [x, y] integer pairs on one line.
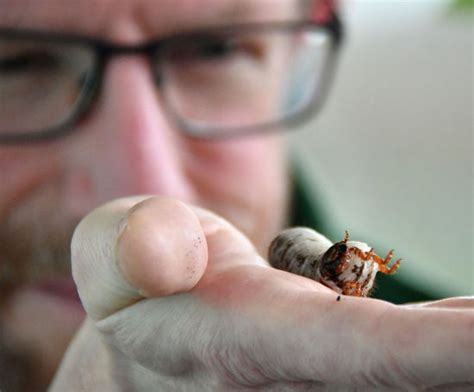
{"points": [[347, 267]]}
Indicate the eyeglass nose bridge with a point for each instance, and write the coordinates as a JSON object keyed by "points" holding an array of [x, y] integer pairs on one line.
{"points": [[107, 52], [111, 50]]}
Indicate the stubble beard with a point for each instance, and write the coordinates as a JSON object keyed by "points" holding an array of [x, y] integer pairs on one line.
{"points": [[34, 245]]}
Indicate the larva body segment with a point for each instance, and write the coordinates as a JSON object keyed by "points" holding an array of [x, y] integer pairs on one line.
{"points": [[347, 267], [298, 250]]}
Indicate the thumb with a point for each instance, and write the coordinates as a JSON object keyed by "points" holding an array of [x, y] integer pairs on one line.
{"points": [[136, 247]]}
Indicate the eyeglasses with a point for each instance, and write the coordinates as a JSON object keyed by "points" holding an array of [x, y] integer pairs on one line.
{"points": [[212, 83]]}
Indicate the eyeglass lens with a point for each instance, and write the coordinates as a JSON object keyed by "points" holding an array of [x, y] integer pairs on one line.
{"points": [[243, 79], [41, 82]]}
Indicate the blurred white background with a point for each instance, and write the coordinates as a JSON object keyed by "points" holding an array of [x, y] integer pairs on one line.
{"points": [[391, 154]]}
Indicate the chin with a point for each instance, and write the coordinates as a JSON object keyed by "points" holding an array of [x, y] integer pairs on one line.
{"points": [[38, 323]]}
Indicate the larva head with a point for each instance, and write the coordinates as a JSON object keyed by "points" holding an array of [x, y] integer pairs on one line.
{"points": [[333, 259], [348, 267]]}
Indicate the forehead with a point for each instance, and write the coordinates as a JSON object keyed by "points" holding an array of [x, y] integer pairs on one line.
{"points": [[130, 20]]}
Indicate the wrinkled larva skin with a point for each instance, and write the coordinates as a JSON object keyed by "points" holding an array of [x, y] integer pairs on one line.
{"points": [[347, 267]]}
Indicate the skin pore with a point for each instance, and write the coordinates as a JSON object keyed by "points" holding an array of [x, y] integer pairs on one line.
{"points": [[124, 146]]}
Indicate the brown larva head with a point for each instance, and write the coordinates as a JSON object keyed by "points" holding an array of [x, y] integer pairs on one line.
{"points": [[333, 259]]}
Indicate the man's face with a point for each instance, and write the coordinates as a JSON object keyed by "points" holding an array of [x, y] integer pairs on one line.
{"points": [[123, 146]]}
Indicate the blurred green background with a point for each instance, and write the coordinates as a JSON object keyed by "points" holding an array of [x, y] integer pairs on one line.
{"points": [[464, 4]]}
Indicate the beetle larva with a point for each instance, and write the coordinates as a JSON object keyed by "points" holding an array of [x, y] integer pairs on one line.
{"points": [[347, 267]]}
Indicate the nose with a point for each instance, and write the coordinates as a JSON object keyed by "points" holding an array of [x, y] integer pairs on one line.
{"points": [[126, 145]]}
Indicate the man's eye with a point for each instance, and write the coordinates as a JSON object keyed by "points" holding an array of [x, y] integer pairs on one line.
{"points": [[25, 62], [207, 49], [216, 49]]}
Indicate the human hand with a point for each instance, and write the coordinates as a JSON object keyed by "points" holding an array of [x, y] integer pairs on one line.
{"points": [[179, 300]]}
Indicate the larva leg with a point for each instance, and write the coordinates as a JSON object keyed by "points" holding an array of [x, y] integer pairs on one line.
{"points": [[361, 254], [383, 263], [370, 254], [389, 271], [388, 258], [346, 236], [352, 288]]}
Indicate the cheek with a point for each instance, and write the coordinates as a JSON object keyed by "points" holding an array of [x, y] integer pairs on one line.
{"points": [[243, 180], [25, 170], [237, 163]]}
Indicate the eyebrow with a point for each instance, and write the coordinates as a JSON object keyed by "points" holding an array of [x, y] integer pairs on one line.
{"points": [[137, 20]]}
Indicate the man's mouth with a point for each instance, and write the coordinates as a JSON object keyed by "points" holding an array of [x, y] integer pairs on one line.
{"points": [[63, 289]]}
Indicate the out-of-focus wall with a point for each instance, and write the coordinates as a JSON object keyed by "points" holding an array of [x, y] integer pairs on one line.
{"points": [[391, 155]]}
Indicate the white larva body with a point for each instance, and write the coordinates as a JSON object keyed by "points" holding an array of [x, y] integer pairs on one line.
{"points": [[347, 267]]}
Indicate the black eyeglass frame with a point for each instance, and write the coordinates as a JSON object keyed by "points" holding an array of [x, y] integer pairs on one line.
{"points": [[104, 51]]}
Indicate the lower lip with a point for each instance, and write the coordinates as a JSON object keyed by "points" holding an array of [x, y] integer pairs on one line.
{"points": [[63, 290]]}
